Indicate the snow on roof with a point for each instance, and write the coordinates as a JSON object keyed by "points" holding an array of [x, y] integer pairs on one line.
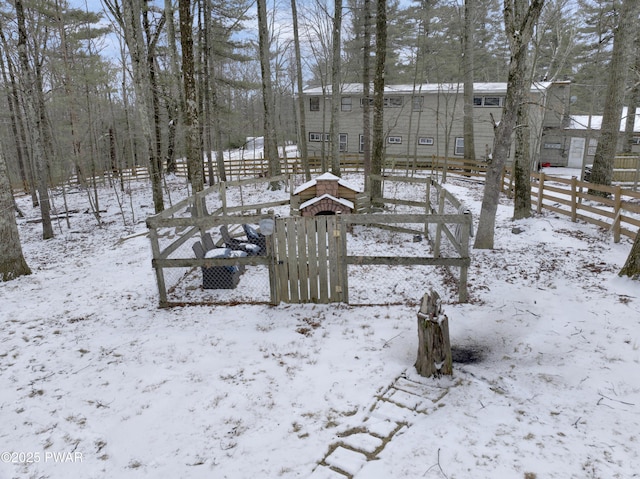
{"points": [[489, 87], [347, 203], [581, 122], [326, 177]]}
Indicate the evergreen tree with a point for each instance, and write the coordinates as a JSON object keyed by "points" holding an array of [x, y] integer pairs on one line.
{"points": [[624, 35]]}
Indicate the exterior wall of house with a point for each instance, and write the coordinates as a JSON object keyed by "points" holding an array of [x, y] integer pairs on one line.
{"points": [[428, 121], [554, 144]]}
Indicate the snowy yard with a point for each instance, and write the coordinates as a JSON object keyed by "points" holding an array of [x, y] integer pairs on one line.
{"points": [[97, 382]]}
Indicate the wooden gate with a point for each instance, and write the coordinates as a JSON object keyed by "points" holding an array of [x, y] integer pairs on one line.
{"points": [[310, 260]]}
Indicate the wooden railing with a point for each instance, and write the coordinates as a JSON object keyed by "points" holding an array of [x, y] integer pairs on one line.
{"points": [[612, 208], [617, 212], [239, 168]]}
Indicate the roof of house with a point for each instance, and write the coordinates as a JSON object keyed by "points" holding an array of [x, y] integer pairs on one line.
{"points": [[324, 176], [581, 122], [356, 88]]}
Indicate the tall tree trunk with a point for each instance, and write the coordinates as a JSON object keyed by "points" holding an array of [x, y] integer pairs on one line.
{"points": [[468, 71], [634, 98], [129, 15], [156, 157], [522, 165], [631, 267], [302, 136], [12, 262], [336, 89], [270, 146], [217, 125], [174, 105], [378, 153], [366, 93], [602, 172], [76, 144], [520, 18], [33, 123], [14, 112], [190, 115]]}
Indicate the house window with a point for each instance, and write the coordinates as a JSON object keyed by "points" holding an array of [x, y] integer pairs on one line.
{"points": [[361, 150], [395, 140], [314, 103], [416, 103], [345, 103], [362, 101], [343, 141], [423, 140], [635, 140], [488, 101], [317, 137], [393, 101], [553, 146], [459, 148]]}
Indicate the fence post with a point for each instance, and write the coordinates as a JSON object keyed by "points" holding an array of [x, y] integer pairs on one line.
{"points": [[574, 207], [441, 200], [427, 206], [466, 227], [155, 250], [617, 209], [222, 188], [540, 192]]}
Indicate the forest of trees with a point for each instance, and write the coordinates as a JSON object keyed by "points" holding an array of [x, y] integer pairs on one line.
{"points": [[143, 82]]}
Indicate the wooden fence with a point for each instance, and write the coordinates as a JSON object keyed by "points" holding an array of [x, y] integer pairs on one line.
{"points": [[304, 264], [242, 168], [618, 211]]}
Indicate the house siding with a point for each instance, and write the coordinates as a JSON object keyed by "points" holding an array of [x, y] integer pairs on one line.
{"points": [[440, 118]]}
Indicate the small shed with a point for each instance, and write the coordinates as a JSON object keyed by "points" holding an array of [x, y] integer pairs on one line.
{"points": [[327, 194]]}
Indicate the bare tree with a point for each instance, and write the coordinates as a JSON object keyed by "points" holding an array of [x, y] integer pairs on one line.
{"points": [[32, 100], [366, 91], [12, 262], [129, 16], [270, 146], [631, 267], [624, 34], [302, 136], [634, 98], [336, 89], [520, 17], [377, 157], [522, 165], [468, 46], [190, 115], [15, 113]]}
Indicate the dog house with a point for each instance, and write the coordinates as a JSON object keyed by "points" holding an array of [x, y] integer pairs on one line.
{"points": [[327, 194]]}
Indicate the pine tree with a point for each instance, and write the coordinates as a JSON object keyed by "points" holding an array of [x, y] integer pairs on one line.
{"points": [[624, 35]]}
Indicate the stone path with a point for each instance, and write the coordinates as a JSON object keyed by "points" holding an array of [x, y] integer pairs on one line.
{"points": [[395, 410]]}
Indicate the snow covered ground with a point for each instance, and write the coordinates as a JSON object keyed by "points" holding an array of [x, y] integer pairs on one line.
{"points": [[97, 382]]}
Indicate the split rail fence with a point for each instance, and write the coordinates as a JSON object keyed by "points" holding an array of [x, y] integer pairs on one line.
{"points": [[612, 208]]}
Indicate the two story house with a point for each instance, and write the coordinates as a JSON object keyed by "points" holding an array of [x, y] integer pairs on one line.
{"points": [[426, 120]]}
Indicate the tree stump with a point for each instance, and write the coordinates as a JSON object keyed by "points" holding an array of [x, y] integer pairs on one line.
{"points": [[434, 348]]}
